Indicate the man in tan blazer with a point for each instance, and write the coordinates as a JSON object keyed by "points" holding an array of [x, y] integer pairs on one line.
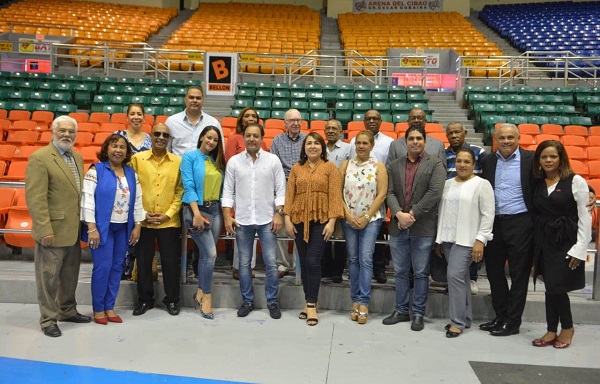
{"points": [[53, 184]]}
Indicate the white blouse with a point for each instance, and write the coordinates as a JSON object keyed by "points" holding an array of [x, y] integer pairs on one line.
{"points": [[120, 209], [466, 212]]}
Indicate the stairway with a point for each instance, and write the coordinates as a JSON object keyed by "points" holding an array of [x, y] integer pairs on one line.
{"points": [[330, 45], [446, 110], [159, 39]]}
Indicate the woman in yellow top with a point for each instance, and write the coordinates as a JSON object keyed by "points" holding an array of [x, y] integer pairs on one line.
{"points": [[313, 202], [202, 177]]}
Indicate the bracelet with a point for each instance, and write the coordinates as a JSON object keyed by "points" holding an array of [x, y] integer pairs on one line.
{"points": [[92, 230], [138, 223], [367, 216]]}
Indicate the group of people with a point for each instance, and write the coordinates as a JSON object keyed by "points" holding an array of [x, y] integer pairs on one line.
{"points": [[456, 203]]}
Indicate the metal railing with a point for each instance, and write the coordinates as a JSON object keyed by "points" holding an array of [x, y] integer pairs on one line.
{"points": [[532, 65]]}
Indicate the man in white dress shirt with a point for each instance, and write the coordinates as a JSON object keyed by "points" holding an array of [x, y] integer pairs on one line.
{"points": [[382, 141], [255, 186]]}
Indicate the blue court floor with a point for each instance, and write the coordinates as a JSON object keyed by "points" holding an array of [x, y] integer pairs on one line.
{"points": [[159, 348]]}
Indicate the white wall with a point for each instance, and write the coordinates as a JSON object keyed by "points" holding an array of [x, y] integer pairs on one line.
{"points": [[149, 3], [335, 7], [313, 4]]}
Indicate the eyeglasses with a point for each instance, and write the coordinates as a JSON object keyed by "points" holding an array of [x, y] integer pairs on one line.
{"points": [[372, 118], [412, 118], [293, 120], [164, 134], [62, 131]]}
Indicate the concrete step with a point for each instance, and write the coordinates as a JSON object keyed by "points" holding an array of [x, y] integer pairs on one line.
{"points": [[17, 285]]}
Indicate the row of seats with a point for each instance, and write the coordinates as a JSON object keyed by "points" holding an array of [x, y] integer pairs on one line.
{"points": [[85, 20], [373, 34], [562, 26], [225, 29]]}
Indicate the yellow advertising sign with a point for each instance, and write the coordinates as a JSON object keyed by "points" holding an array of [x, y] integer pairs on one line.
{"points": [[469, 62], [6, 46], [196, 56], [247, 57], [26, 45], [408, 61]]}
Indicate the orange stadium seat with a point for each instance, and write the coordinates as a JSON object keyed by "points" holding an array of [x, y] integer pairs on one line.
{"points": [[16, 171], [80, 117], [529, 129], [25, 151], [19, 115], [552, 129], [543, 137], [580, 168], [594, 170], [18, 218], [576, 153], [580, 141], [576, 130], [594, 141], [593, 153]]}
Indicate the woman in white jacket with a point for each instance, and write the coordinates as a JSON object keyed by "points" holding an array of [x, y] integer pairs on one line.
{"points": [[465, 222]]}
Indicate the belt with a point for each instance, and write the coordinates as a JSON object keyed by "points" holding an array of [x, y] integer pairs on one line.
{"points": [[207, 203], [505, 217]]}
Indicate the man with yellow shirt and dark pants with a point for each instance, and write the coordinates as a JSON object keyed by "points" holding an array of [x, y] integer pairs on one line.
{"points": [[158, 172]]}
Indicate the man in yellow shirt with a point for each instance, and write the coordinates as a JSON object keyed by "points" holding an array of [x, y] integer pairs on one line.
{"points": [[158, 172]]}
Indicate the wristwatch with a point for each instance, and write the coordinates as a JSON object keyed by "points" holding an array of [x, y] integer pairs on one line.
{"points": [[280, 211]]}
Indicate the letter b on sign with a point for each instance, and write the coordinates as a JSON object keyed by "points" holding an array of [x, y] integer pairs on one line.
{"points": [[220, 69]]}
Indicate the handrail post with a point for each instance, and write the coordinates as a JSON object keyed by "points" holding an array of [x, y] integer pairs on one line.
{"points": [[596, 277]]}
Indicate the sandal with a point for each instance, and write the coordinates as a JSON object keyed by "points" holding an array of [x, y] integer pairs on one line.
{"points": [[354, 312], [560, 344], [363, 312], [311, 313], [302, 315]]}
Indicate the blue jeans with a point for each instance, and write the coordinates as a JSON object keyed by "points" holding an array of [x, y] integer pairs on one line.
{"points": [[244, 236], [207, 243], [360, 245], [408, 250]]}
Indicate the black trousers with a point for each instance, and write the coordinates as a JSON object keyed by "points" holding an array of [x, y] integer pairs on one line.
{"points": [[334, 259], [380, 253], [513, 242], [169, 246], [310, 255], [558, 308]]}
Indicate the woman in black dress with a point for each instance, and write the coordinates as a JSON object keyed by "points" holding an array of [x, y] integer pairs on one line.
{"points": [[562, 233]]}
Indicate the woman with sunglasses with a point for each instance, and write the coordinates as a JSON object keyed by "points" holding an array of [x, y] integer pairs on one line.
{"points": [[202, 176]]}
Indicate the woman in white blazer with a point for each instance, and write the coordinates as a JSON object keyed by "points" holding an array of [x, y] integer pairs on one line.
{"points": [[465, 222]]}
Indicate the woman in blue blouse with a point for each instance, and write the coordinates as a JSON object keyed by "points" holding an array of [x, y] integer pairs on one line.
{"points": [[202, 175], [111, 207]]}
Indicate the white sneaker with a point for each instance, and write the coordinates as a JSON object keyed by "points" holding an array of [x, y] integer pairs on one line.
{"points": [[474, 288]]}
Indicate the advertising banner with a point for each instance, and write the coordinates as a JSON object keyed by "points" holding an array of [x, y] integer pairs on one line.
{"points": [[362, 6], [220, 71]]}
